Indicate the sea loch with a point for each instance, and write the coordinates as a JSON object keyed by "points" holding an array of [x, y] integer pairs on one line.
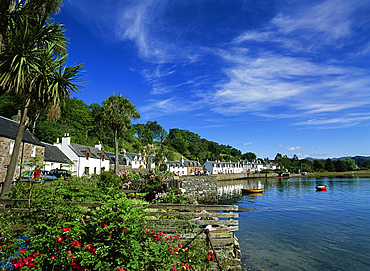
{"points": [[291, 226]]}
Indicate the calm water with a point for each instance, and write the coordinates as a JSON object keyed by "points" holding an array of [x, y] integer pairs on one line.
{"points": [[293, 227]]}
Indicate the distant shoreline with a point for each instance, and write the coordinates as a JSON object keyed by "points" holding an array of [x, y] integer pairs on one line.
{"points": [[355, 173]]}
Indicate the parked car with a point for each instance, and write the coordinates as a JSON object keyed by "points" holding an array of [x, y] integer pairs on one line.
{"points": [[46, 176], [60, 173]]}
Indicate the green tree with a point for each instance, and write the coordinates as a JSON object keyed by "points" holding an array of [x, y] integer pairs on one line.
{"points": [[32, 64], [250, 156], [350, 163], [159, 134], [117, 114], [329, 165], [143, 132], [278, 157], [340, 166], [318, 165]]}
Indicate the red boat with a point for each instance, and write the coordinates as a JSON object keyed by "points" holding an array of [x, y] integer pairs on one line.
{"points": [[321, 188]]}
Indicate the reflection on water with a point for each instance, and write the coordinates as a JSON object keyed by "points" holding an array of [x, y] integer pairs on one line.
{"points": [[293, 227], [230, 192]]}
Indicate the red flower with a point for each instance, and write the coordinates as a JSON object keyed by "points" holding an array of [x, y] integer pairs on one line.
{"points": [[105, 225], [23, 251], [208, 258], [52, 257], [65, 229], [35, 254], [60, 239]]}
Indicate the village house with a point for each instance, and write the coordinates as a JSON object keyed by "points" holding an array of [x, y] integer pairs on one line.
{"points": [[136, 160], [31, 148], [86, 160], [254, 166], [129, 160], [184, 167], [217, 167], [123, 162], [54, 158]]}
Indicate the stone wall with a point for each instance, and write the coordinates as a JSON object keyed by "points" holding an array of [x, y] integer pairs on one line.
{"points": [[26, 148], [201, 188], [236, 176]]}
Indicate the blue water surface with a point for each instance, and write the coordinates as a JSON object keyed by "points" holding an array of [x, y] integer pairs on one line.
{"points": [[294, 227]]}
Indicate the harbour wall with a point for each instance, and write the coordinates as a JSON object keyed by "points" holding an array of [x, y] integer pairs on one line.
{"points": [[203, 188]]}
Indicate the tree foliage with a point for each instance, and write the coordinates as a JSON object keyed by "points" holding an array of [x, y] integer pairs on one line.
{"points": [[117, 113], [33, 64]]}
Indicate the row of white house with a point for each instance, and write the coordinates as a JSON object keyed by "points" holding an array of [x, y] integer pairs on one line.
{"points": [[93, 160], [86, 160]]}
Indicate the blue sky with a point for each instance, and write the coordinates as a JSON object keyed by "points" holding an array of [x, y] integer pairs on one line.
{"points": [[289, 77]]}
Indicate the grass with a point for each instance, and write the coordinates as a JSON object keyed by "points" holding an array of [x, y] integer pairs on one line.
{"points": [[355, 173]]}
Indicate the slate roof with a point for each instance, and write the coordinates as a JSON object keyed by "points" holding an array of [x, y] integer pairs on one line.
{"points": [[80, 150], [185, 163], [54, 154], [225, 164], [9, 128], [131, 155], [112, 158]]}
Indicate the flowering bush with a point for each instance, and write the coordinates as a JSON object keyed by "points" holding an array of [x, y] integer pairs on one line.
{"points": [[175, 196], [129, 176], [112, 236]]}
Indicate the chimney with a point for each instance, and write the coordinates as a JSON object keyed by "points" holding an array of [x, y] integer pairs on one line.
{"points": [[58, 144], [98, 146], [66, 140]]}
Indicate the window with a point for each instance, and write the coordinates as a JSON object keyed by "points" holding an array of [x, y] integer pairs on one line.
{"points": [[87, 154], [87, 171], [11, 146], [33, 153], [94, 170], [103, 156]]}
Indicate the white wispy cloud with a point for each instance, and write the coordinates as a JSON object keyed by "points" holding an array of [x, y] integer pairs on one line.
{"points": [[325, 22], [248, 143], [293, 148], [284, 69], [304, 87]]}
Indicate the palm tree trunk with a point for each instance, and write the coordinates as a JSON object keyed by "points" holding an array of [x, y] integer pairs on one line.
{"points": [[14, 158], [116, 162]]}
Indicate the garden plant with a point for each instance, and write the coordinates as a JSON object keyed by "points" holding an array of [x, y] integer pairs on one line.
{"points": [[105, 231]]}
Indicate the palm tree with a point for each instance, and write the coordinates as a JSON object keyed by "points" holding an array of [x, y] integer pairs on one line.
{"points": [[32, 64], [117, 114]]}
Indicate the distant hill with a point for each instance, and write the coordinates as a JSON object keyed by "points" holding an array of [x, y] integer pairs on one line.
{"points": [[356, 158]]}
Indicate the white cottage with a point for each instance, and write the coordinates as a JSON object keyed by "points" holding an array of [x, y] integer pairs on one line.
{"points": [[254, 166], [217, 167], [55, 158], [87, 160]]}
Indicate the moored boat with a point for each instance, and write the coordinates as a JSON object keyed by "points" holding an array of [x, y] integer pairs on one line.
{"points": [[321, 188], [247, 191]]}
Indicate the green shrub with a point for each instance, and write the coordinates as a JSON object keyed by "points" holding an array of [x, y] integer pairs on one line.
{"points": [[110, 237]]}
